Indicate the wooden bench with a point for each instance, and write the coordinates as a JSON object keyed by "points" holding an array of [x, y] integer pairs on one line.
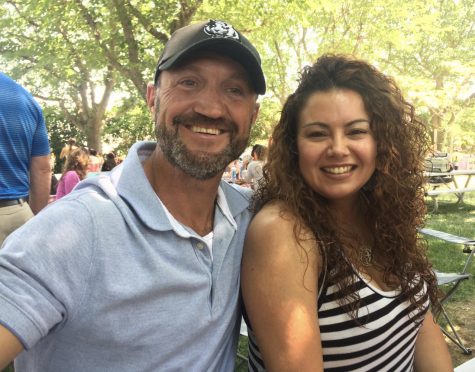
{"points": [[453, 279], [459, 192]]}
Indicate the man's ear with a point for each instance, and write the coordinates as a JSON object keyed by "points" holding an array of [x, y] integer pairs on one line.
{"points": [[151, 92], [255, 113]]}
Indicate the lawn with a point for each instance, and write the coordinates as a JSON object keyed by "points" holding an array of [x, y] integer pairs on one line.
{"points": [[457, 219]]}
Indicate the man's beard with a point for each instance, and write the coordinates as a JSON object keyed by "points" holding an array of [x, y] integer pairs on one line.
{"points": [[200, 165]]}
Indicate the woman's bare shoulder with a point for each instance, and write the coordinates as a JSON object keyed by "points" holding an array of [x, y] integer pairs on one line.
{"points": [[274, 214], [275, 228]]}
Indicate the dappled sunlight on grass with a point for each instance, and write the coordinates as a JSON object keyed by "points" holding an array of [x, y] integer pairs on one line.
{"points": [[457, 219]]}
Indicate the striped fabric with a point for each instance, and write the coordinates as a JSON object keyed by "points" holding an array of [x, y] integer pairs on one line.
{"points": [[381, 339]]}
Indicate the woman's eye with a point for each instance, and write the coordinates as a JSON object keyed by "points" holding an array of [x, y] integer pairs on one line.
{"points": [[356, 132], [316, 134]]}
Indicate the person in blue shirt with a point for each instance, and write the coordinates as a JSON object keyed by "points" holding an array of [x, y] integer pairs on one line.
{"points": [[140, 267], [25, 173]]}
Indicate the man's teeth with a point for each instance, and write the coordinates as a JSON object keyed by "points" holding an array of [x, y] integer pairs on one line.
{"points": [[213, 131], [338, 170]]}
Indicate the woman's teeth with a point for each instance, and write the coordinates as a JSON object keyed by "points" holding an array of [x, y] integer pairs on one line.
{"points": [[338, 170]]}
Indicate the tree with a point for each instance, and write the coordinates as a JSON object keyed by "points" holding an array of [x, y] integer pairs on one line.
{"points": [[59, 131], [434, 58], [77, 53], [128, 124], [73, 54], [427, 46], [58, 64]]}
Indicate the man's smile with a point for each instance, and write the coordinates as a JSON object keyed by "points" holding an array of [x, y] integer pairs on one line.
{"points": [[212, 131]]}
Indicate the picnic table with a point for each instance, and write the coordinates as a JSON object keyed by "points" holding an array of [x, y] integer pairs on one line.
{"points": [[443, 183]]}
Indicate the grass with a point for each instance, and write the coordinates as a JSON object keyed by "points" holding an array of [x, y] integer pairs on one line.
{"points": [[457, 219], [241, 365]]}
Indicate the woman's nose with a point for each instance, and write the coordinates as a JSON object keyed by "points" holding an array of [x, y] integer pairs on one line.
{"points": [[338, 146]]}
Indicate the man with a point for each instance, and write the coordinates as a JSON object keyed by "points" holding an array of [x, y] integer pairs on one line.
{"points": [[24, 157], [140, 269]]}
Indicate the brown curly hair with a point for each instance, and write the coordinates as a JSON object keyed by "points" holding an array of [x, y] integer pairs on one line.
{"points": [[77, 160], [393, 197]]}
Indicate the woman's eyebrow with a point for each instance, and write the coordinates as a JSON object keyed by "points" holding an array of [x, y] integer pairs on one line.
{"points": [[325, 125], [315, 123], [356, 121]]}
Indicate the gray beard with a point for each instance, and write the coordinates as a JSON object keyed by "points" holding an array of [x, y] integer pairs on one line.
{"points": [[199, 165]]}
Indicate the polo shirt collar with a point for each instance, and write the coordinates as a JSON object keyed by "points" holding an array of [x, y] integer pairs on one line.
{"points": [[134, 188]]}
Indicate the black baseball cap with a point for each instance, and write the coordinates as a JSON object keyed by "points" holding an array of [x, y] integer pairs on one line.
{"points": [[216, 36]]}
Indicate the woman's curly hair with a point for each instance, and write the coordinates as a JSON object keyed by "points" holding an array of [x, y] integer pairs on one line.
{"points": [[77, 160], [393, 197]]}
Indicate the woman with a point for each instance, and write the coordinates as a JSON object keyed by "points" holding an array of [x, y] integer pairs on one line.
{"points": [[334, 275], [253, 174], [75, 170]]}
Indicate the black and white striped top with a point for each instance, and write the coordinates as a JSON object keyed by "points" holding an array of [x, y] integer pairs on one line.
{"points": [[384, 339]]}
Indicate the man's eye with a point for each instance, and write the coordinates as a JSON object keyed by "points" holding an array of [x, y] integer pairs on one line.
{"points": [[236, 91], [188, 83]]}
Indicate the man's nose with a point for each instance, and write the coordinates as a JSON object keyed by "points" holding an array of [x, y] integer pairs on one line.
{"points": [[210, 103]]}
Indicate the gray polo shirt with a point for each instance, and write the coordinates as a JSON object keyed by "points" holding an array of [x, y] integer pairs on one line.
{"points": [[102, 281]]}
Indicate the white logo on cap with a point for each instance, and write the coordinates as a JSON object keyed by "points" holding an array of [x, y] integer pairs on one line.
{"points": [[220, 29]]}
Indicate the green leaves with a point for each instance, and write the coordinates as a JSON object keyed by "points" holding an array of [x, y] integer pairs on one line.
{"points": [[74, 52]]}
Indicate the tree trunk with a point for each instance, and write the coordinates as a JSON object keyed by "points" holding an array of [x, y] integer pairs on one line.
{"points": [[436, 119], [93, 134], [436, 138]]}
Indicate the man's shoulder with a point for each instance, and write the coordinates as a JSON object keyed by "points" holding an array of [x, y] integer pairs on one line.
{"points": [[236, 195], [88, 196], [98, 187]]}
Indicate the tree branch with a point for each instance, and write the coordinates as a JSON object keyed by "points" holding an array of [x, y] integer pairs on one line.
{"points": [[101, 107], [97, 36], [127, 29], [17, 9], [184, 17], [160, 36], [44, 98]]}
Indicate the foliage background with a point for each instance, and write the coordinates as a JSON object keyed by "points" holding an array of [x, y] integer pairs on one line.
{"points": [[88, 62]]}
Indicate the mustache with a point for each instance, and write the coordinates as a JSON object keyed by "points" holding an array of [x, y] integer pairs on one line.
{"points": [[198, 119]]}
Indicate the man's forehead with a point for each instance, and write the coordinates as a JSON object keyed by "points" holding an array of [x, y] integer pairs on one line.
{"points": [[202, 60]]}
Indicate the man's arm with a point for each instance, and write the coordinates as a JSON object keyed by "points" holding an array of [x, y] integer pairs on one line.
{"points": [[40, 182], [11, 347]]}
